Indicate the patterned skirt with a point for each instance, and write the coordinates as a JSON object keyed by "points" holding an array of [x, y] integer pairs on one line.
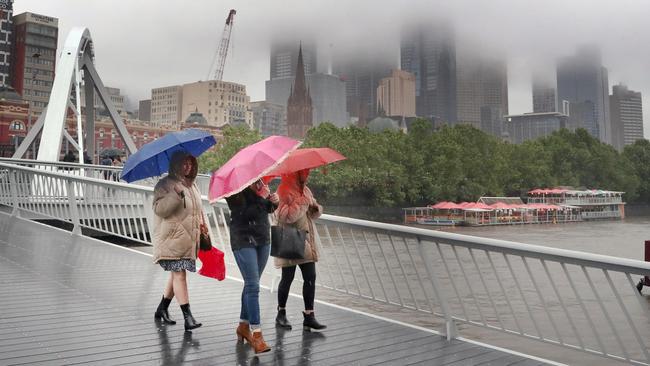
{"points": [[177, 265]]}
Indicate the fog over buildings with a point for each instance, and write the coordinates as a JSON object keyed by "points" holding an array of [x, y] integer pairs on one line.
{"points": [[145, 44]]}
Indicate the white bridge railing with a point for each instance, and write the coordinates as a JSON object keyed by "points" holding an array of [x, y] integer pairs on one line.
{"points": [[577, 300]]}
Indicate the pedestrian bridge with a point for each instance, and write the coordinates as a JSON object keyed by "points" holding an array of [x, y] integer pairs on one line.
{"points": [[395, 294]]}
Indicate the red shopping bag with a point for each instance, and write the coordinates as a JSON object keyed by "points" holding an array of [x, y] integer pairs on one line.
{"points": [[213, 264]]}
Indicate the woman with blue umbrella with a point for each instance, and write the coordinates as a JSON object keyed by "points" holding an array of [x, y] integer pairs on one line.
{"points": [[178, 214], [177, 227]]}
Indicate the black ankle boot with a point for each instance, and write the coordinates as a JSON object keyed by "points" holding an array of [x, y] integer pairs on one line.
{"points": [[281, 319], [162, 313], [190, 322], [310, 323]]}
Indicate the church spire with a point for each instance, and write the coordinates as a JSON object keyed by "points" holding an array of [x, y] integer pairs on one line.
{"points": [[300, 87], [299, 108]]}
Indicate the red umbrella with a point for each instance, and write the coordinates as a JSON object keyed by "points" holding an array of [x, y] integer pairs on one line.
{"points": [[308, 158], [212, 264]]}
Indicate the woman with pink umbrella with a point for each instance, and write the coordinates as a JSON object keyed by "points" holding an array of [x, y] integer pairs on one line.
{"points": [[250, 202]]}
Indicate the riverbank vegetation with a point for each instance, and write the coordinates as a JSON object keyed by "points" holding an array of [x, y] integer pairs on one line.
{"points": [[459, 163]]}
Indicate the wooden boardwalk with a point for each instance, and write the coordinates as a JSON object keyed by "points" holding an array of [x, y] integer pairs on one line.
{"points": [[75, 300]]}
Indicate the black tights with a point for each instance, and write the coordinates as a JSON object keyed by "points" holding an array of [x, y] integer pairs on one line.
{"points": [[308, 271]]}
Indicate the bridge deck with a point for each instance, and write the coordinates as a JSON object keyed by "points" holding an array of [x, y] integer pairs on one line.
{"points": [[72, 300]]}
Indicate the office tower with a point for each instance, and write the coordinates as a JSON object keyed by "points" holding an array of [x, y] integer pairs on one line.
{"points": [[144, 110], [284, 58], [544, 96], [269, 118], [35, 43], [166, 105], [396, 94], [429, 52], [6, 41], [582, 80], [626, 112], [482, 81], [220, 102]]}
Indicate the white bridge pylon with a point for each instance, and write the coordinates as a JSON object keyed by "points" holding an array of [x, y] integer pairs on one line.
{"points": [[76, 58]]}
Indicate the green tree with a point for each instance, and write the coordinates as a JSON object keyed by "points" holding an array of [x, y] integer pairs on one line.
{"points": [[638, 155], [233, 140]]}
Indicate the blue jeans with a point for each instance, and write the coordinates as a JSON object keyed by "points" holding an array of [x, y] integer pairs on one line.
{"points": [[251, 263]]}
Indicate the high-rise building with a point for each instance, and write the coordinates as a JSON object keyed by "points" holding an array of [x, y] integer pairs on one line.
{"points": [[396, 94], [220, 102], [284, 58], [35, 42], [481, 82], [6, 40], [144, 110], [429, 53], [299, 107], [530, 126], [166, 105], [269, 118], [626, 110], [327, 94], [544, 98], [116, 98], [582, 79], [362, 74], [492, 121]]}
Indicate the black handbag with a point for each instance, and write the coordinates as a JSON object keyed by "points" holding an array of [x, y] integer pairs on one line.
{"points": [[205, 243], [288, 242]]}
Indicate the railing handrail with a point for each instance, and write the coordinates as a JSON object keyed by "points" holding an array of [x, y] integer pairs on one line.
{"points": [[62, 164], [81, 179], [509, 247], [531, 250]]}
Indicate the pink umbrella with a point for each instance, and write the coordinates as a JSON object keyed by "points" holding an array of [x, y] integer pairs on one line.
{"points": [[444, 205], [248, 165]]}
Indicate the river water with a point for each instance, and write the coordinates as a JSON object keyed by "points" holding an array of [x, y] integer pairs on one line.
{"points": [[620, 238]]}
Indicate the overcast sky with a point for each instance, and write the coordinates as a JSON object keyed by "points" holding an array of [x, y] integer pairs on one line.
{"points": [[142, 44]]}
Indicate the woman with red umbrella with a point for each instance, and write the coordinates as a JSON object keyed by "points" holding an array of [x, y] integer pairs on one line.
{"points": [[298, 208]]}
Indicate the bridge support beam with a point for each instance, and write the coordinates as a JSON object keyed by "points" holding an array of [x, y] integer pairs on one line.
{"points": [[77, 57]]}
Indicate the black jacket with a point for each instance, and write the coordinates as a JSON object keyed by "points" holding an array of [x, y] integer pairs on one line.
{"points": [[249, 219]]}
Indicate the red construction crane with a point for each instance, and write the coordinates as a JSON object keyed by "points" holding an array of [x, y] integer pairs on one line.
{"points": [[220, 56]]}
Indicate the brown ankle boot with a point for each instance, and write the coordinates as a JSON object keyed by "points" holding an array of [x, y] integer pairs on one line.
{"points": [[244, 332], [258, 343]]}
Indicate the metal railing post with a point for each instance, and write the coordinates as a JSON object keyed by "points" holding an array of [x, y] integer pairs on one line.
{"points": [[148, 211], [13, 184], [74, 211], [451, 331]]}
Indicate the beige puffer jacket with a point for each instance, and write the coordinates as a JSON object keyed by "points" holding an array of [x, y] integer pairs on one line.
{"points": [[177, 220], [295, 200]]}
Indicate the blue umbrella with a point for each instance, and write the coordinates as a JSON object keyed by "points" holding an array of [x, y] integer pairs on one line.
{"points": [[153, 158]]}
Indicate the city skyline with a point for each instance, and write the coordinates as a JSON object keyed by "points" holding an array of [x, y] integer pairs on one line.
{"points": [[164, 61]]}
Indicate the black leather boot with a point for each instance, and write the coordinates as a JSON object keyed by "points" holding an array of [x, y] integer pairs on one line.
{"points": [[162, 314], [190, 322], [281, 319], [310, 323]]}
